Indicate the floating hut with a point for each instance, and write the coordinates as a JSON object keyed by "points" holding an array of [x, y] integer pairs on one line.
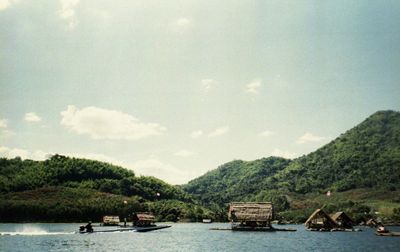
{"points": [[110, 220], [343, 220], [320, 221], [254, 216], [143, 219]]}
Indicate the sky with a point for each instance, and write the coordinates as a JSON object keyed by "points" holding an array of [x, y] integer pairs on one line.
{"points": [[173, 89]]}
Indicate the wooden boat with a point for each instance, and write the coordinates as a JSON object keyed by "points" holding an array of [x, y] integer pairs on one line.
{"points": [[388, 233], [258, 229], [107, 230], [150, 228], [125, 229]]}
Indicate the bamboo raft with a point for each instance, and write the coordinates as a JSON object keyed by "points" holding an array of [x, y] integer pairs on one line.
{"points": [[257, 229], [388, 234]]}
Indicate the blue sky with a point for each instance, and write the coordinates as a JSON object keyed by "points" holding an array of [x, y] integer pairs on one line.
{"points": [[175, 88]]}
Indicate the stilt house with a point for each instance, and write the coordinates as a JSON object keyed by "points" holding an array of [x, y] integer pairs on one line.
{"points": [[342, 220], [143, 219], [250, 215], [320, 221]]}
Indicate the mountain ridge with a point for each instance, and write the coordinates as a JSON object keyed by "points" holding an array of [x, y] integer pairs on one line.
{"points": [[365, 157]]}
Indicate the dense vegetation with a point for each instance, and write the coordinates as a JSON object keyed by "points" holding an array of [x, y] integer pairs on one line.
{"points": [[235, 181], [71, 189], [367, 157]]}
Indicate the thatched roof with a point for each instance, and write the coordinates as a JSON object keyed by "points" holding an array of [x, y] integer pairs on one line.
{"points": [[342, 220], [145, 217], [371, 222], [341, 215], [250, 211], [320, 214]]}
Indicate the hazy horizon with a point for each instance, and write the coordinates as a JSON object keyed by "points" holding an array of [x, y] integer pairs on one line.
{"points": [[175, 89]]}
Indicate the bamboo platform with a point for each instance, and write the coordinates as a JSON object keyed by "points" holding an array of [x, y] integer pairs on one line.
{"points": [[256, 229]]}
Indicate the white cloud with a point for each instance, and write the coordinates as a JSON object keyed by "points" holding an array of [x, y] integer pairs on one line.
{"points": [[67, 12], [4, 132], [151, 166], [98, 157], [253, 87], [208, 84], [42, 155], [266, 133], [32, 117], [7, 133], [181, 24], [196, 134], [3, 123], [184, 153], [154, 167], [107, 124], [219, 131], [308, 137], [284, 154], [5, 4], [24, 154]]}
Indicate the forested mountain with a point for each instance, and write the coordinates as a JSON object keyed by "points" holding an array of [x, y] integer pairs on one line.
{"points": [[366, 158], [235, 181], [70, 189]]}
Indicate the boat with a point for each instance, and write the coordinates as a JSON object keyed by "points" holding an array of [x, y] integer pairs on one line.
{"points": [[142, 222], [150, 228], [261, 229], [388, 233], [126, 229], [106, 230]]}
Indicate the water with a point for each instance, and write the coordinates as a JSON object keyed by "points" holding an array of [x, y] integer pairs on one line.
{"points": [[188, 237]]}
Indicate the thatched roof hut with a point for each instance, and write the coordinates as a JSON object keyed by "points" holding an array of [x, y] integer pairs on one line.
{"points": [[145, 216], [319, 220], [251, 211], [143, 219], [342, 220]]}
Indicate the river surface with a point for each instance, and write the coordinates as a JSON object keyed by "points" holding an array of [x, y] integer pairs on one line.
{"points": [[188, 237]]}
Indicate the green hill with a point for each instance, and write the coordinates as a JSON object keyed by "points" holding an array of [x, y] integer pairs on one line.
{"points": [[365, 158], [72, 189], [235, 181]]}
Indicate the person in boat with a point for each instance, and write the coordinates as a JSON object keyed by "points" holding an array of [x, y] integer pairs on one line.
{"points": [[89, 227], [381, 229]]}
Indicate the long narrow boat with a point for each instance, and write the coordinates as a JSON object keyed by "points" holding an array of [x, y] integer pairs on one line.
{"points": [[388, 234], [124, 229], [256, 229], [108, 230], [151, 228]]}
